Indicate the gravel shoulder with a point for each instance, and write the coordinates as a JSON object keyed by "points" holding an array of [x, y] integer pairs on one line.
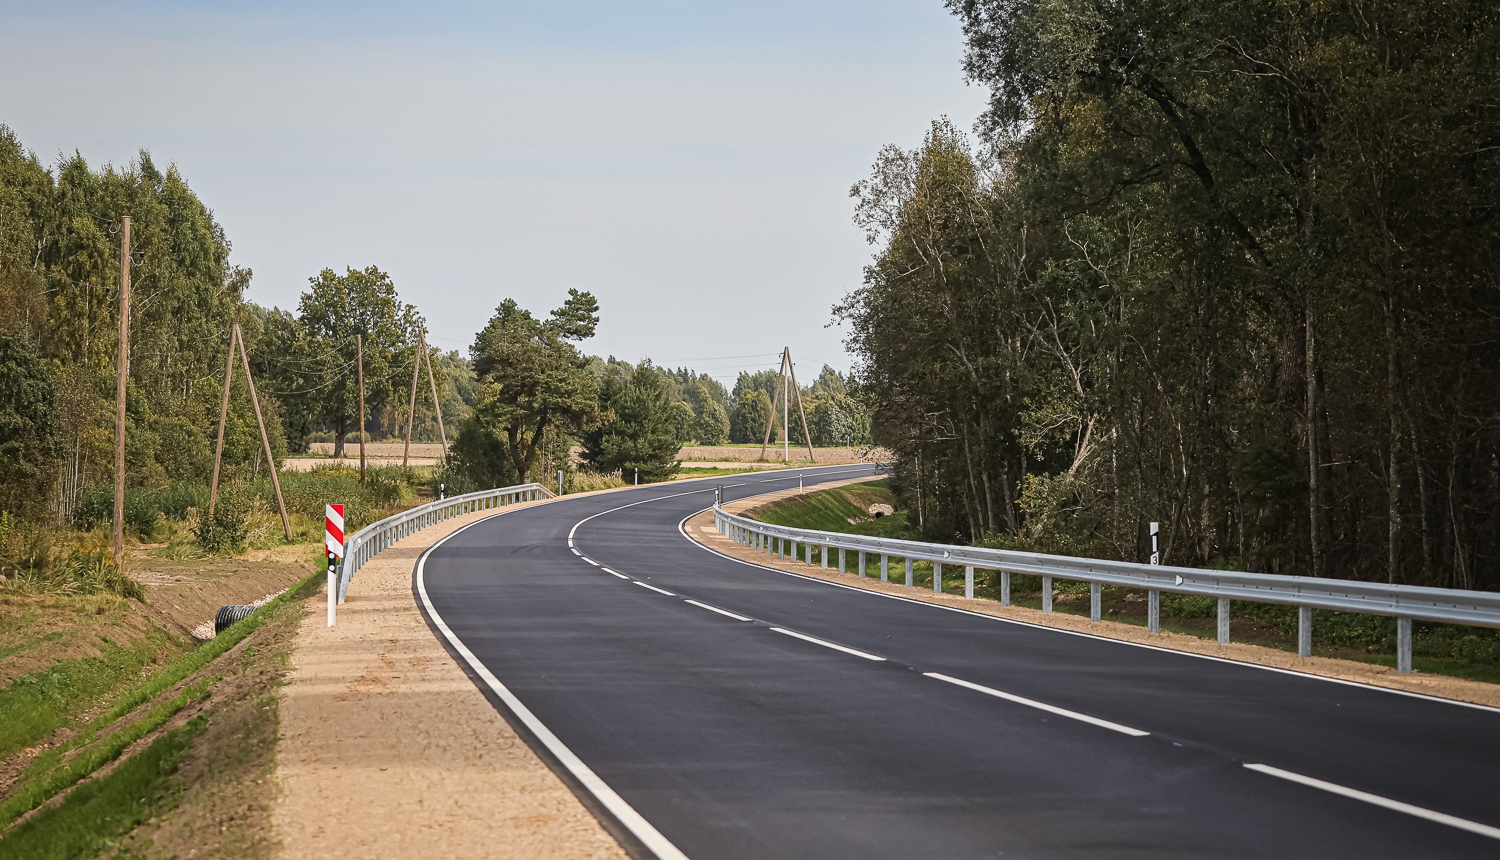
{"points": [[701, 529], [388, 750]]}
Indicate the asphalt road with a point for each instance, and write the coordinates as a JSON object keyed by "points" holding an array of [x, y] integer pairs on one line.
{"points": [[739, 739]]}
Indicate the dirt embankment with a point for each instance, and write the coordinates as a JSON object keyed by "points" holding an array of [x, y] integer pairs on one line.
{"points": [[388, 750], [182, 595], [701, 529]]}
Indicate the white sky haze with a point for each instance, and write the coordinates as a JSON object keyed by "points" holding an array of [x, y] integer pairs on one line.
{"points": [[687, 162]]}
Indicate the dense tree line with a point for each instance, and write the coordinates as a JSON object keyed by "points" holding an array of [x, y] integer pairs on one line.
{"points": [[1231, 268], [59, 330], [59, 305]]}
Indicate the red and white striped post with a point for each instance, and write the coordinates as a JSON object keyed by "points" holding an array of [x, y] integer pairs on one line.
{"points": [[333, 543]]}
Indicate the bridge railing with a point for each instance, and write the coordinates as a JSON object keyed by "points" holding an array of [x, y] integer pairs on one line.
{"points": [[369, 541], [1403, 602]]}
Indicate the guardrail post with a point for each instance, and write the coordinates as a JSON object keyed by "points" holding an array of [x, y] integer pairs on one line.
{"points": [[1223, 621], [1403, 646], [1096, 601], [885, 569], [861, 564], [908, 572], [1304, 631], [1153, 611], [1004, 588], [969, 581], [1046, 594], [937, 577], [841, 559], [823, 555]]}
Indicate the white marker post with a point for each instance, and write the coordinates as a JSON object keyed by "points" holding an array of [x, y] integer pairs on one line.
{"points": [[333, 545], [559, 481], [1153, 597]]}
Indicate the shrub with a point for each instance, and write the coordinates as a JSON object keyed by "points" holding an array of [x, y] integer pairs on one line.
{"points": [[227, 529], [141, 514], [176, 502]]}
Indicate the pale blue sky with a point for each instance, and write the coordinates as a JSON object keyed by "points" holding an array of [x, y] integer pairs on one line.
{"points": [[689, 163]]}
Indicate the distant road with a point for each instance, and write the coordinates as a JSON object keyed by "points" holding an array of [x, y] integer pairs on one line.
{"points": [[747, 713]]}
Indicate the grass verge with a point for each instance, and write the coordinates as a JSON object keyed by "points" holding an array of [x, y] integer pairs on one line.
{"points": [[53, 771], [89, 819]]}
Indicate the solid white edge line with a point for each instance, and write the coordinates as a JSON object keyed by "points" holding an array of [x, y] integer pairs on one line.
{"points": [[718, 610], [622, 811], [1377, 800], [682, 530], [1041, 706], [613, 573], [653, 588], [826, 644]]}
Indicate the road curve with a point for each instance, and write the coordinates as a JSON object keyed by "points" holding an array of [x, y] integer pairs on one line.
{"points": [[732, 711]]}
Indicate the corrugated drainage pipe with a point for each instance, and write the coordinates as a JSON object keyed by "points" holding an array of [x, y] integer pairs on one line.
{"points": [[230, 614]]}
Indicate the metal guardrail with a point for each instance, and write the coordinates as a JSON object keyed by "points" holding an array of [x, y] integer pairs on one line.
{"points": [[1404, 602], [369, 541]]}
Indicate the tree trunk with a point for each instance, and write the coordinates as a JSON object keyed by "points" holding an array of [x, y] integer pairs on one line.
{"points": [[1316, 525], [1393, 471]]}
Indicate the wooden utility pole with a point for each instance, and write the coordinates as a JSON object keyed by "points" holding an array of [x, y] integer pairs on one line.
{"points": [[359, 353], [124, 372], [265, 441], [213, 486], [411, 412], [437, 407], [781, 376], [801, 410]]}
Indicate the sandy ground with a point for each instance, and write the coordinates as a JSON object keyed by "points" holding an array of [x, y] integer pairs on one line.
{"points": [[701, 529], [377, 449], [694, 454], [388, 750], [307, 464], [376, 454]]}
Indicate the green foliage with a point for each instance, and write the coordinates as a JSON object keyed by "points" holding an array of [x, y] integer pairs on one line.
{"points": [[638, 431], [1211, 266], [311, 361], [59, 274], [682, 418], [477, 460], [29, 422], [225, 531], [91, 817], [307, 493], [747, 424], [710, 424], [144, 507], [532, 381]]}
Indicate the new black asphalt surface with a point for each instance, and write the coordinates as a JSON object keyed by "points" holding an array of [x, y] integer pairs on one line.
{"points": [[737, 741]]}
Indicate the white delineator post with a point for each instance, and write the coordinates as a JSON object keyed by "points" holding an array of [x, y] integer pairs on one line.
{"points": [[333, 544], [1153, 597]]}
